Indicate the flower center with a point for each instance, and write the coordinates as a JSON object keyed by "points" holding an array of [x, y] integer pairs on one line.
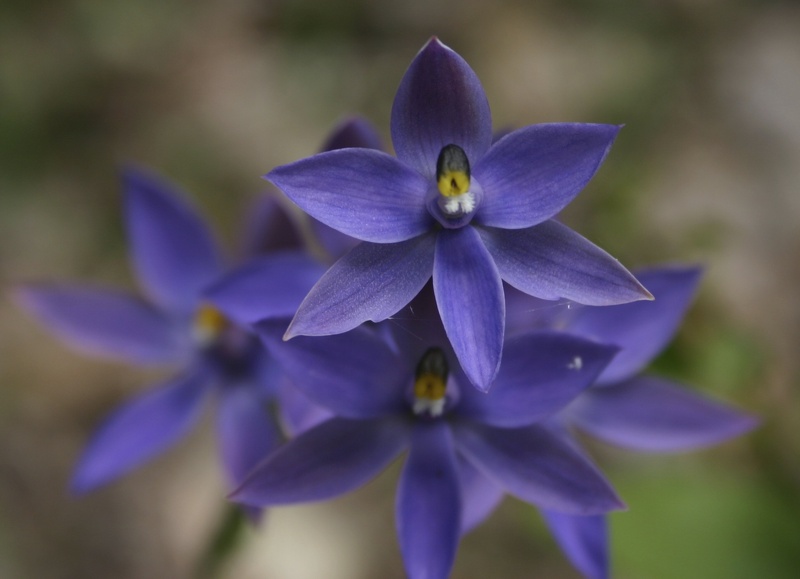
{"points": [[453, 180], [209, 323], [430, 383]]}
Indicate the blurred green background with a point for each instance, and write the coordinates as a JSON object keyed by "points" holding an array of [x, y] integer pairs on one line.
{"points": [[213, 93]]}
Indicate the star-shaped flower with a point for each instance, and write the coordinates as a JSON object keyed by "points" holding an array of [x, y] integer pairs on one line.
{"points": [[455, 207], [390, 397], [176, 261]]}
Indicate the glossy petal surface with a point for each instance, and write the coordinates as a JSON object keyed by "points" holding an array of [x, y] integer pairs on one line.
{"points": [[469, 295], [141, 429], [641, 329], [533, 173], [440, 101], [538, 467], [551, 261], [429, 504], [104, 323], [337, 456], [542, 372], [584, 541], [271, 286], [363, 193], [655, 415], [355, 374], [173, 252], [247, 432], [372, 282]]}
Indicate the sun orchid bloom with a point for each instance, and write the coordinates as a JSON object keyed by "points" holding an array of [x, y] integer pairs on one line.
{"points": [[177, 261], [455, 207], [387, 397]]}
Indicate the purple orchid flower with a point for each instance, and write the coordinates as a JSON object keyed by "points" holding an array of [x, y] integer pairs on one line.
{"points": [[177, 262], [455, 207], [625, 408], [388, 397]]}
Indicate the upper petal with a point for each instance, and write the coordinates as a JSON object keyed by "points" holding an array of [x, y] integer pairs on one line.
{"points": [[141, 429], [655, 415], [551, 261], [429, 504], [364, 193], [105, 323], [533, 173], [356, 375], [479, 496], [440, 101], [641, 329], [173, 251], [541, 373], [584, 541], [271, 286], [352, 132], [331, 459], [469, 295], [247, 431], [537, 466], [268, 227], [371, 282]]}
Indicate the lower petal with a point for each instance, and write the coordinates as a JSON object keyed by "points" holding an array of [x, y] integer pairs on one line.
{"points": [[372, 282], [551, 261], [469, 295], [537, 466], [584, 540], [479, 496], [655, 415], [329, 460], [429, 504], [247, 432], [140, 430]]}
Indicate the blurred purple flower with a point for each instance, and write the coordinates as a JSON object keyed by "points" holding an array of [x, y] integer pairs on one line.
{"points": [[624, 408], [456, 207], [177, 262], [387, 397]]}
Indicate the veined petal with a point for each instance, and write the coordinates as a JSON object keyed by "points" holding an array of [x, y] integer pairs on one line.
{"points": [[271, 286], [641, 329], [440, 101], [247, 432], [533, 173], [538, 467], [356, 375], [469, 295], [551, 261], [584, 540], [541, 373], [372, 282], [353, 132], [336, 457], [173, 251], [479, 496], [655, 415], [268, 228], [105, 323], [141, 429], [364, 193], [429, 503]]}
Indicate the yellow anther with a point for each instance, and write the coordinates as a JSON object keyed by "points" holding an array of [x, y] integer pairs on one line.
{"points": [[209, 322], [430, 383], [453, 183]]}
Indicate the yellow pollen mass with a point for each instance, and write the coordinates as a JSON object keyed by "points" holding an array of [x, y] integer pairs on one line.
{"points": [[453, 183], [429, 386], [209, 322]]}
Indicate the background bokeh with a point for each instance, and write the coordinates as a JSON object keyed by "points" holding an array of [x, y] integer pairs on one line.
{"points": [[214, 93]]}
